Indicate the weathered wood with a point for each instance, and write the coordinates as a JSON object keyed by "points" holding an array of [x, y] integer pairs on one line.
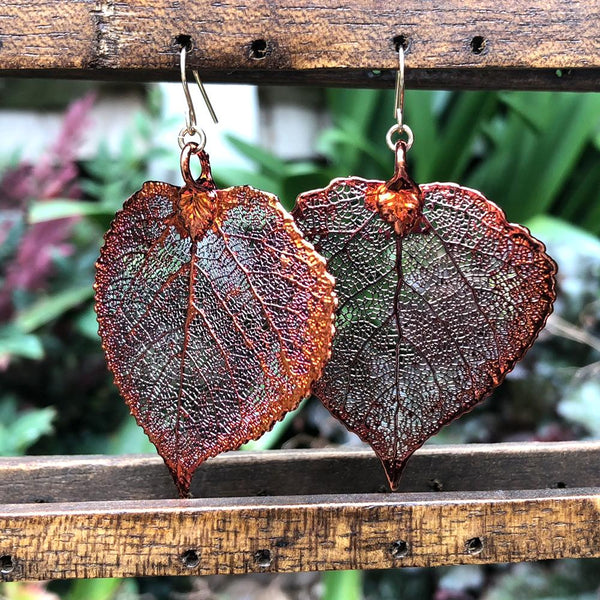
{"points": [[476, 467], [300, 533], [454, 43]]}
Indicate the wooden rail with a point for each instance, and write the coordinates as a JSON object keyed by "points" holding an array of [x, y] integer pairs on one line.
{"points": [[104, 517], [528, 44]]}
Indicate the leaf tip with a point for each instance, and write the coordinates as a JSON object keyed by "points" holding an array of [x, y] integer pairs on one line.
{"points": [[393, 472], [183, 480]]}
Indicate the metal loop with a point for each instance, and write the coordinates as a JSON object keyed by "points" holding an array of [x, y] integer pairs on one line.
{"points": [[399, 129], [192, 131]]}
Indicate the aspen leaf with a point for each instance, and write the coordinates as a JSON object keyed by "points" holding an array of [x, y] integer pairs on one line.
{"points": [[437, 302], [215, 316]]}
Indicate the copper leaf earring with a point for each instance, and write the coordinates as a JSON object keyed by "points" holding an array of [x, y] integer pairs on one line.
{"points": [[215, 314], [439, 297]]}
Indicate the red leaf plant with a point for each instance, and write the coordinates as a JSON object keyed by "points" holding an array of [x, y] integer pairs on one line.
{"points": [[216, 315], [439, 297], [54, 175]]}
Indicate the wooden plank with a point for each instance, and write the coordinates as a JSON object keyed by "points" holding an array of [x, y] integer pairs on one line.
{"points": [[453, 43], [301, 533], [476, 467]]}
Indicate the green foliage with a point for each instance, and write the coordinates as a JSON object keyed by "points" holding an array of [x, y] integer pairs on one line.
{"points": [[580, 406], [564, 580], [342, 585], [56, 325], [14, 342], [531, 153], [551, 139], [129, 438], [21, 429], [46, 309], [102, 589]]}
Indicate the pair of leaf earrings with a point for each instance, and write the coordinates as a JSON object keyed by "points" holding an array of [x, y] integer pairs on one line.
{"points": [[216, 307]]}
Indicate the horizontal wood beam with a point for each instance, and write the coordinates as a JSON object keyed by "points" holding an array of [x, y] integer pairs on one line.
{"points": [[527, 44], [472, 467], [299, 533], [95, 516]]}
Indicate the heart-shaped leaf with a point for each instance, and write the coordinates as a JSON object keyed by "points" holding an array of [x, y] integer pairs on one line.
{"points": [[436, 306], [215, 315]]}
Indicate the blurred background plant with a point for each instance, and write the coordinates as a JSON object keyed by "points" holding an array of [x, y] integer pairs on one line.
{"points": [[535, 154]]}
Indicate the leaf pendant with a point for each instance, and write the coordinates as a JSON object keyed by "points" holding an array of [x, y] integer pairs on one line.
{"points": [[215, 314], [439, 297]]}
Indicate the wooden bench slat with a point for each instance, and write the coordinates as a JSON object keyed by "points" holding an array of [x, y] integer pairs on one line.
{"points": [[300, 533], [477, 467], [523, 42]]}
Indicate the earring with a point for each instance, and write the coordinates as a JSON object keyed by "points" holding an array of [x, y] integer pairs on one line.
{"points": [[439, 297], [215, 314]]}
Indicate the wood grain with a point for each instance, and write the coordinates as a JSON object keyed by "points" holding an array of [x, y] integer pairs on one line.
{"points": [[454, 43], [473, 467], [301, 533]]}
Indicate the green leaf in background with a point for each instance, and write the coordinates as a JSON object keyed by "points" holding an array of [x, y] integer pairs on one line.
{"points": [[86, 324], [21, 429], [552, 230], [272, 438], [462, 122], [581, 405], [102, 589], [342, 585], [15, 342], [420, 111], [353, 111], [48, 308], [527, 168], [271, 164], [332, 139], [230, 176], [128, 439], [49, 210]]}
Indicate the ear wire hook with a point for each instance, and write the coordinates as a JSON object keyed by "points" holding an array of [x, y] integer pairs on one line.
{"points": [[191, 127], [400, 127], [399, 99]]}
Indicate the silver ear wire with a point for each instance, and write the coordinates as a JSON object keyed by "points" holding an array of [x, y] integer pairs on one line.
{"points": [[400, 127], [191, 127], [399, 101]]}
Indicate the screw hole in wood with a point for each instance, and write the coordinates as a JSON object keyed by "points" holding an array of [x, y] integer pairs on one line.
{"points": [[398, 549], [190, 559], [401, 41], [7, 564], [474, 546], [263, 558], [184, 41], [436, 485], [478, 44], [561, 485], [259, 49]]}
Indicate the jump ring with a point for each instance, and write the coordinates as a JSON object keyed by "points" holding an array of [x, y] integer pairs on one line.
{"points": [[399, 130], [192, 131]]}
